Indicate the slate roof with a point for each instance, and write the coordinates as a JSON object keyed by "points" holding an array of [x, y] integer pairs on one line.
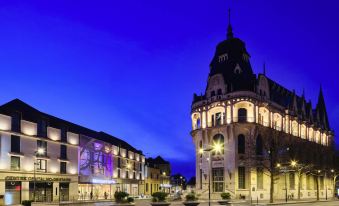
{"points": [[156, 161], [31, 114], [237, 55]]}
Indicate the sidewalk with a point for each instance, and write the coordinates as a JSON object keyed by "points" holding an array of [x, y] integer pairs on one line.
{"points": [[293, 202]]}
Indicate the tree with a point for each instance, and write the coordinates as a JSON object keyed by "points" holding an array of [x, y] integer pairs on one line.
{"points": [[276, 150]]}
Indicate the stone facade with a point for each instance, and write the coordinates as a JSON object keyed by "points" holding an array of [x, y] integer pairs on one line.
{"points": [[242, 111]]}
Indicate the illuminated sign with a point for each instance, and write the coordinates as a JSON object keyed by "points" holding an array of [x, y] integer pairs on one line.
{"points": [[47, 179], [165, 185], [100, 181]]}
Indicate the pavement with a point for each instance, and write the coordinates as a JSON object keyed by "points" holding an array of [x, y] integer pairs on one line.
{"points": [[213, 203]]}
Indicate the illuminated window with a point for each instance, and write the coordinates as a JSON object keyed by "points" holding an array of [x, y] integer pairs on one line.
{"points": [[41, 165], [15, 163], [241, 177]]}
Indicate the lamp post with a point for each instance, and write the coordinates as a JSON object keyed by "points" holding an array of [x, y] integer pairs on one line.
{"points": [[40, 151], [285, 170], [162, 181], [217, 148]]}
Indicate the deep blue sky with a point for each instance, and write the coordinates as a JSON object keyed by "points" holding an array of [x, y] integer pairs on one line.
{"points": [[130, 68]]}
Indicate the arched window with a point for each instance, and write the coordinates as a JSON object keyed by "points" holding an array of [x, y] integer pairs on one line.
{"points": [[218, 139], [259, 145], [212, 93], [241, 144], [198, 123], [242, 115], [219, 92]]}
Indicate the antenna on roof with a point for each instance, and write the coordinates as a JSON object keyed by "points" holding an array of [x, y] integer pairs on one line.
{"points": [[229, 28]]}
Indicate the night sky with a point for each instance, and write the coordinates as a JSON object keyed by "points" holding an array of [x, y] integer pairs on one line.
{"points": [[130, 68]]}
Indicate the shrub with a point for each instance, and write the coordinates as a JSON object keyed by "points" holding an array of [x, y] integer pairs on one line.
{"points": [[159, 196], [225, 196], [27, 202], [191, 197], [130, 199], [121, 197]]}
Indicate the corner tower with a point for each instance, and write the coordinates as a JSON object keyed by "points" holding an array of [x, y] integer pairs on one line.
{"points": [[241, 114]]}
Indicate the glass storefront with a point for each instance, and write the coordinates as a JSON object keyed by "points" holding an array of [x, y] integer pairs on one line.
{"points": [[64, 191], [96, 191], [12, 193], [43, 191]]}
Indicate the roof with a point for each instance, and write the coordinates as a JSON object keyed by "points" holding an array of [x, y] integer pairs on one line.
{"points": [[156, 161], [32, 114]]}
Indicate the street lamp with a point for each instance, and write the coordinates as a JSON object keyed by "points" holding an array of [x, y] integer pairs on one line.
{"points": [[40, 151], [217, 148], [293, 163]]}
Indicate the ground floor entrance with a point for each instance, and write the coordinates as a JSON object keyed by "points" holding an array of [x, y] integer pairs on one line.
{"points": [[91, 191]]}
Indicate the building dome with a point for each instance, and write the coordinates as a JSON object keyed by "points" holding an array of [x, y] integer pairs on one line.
{"points": [[231, 60]]}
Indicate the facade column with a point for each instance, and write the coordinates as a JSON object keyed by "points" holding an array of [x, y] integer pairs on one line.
{"points": [[254, 113], [56, 191], [24, 190], [231, 112]]}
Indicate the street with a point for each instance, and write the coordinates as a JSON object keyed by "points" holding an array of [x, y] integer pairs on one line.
{"points": [[235, 203]]}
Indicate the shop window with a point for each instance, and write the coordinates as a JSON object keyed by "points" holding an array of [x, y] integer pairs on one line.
{"points": [[241, 177], [41, 165], [63, 167], [64, 191], [241, 144], [12, 193], [15, 163], [63, 152], [15, 144]]}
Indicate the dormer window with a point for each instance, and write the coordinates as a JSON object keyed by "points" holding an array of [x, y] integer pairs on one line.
{"points": [[245, 57], [223, 57], [237, 69]]}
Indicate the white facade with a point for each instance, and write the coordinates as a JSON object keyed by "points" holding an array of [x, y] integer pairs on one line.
{"points": [[21, 175]]}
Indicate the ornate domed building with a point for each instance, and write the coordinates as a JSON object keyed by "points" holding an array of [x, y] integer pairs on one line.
{"points": [[255, 138]]}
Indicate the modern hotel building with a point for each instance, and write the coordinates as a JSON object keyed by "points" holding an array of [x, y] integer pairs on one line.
{"points": [[46, 158]]}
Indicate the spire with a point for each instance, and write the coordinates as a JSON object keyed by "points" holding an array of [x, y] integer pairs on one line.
{"points": [[229, 28], [303, 95], [321, 110]]}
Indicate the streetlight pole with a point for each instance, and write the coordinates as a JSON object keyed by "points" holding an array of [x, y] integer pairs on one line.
{"points": [[40, 151], [209, 178], [217, 148]]}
